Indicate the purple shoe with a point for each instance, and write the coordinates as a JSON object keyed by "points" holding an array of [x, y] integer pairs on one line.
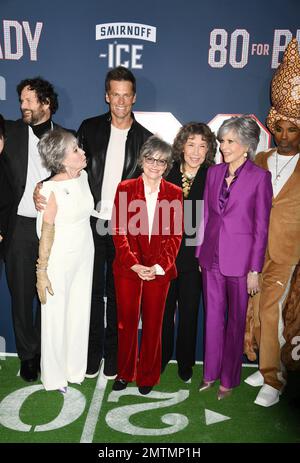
{"points": [[63, 390]]}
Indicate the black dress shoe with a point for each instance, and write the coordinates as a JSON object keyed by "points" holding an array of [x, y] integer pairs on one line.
{"points": [[28, 370], [119, 385], [144, 390], [185, 373]]}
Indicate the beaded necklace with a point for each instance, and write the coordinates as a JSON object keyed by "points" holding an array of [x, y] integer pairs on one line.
{"points": [[187, 181]]}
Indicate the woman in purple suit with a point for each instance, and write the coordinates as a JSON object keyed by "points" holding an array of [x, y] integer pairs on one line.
{"points": [[237, 203]]}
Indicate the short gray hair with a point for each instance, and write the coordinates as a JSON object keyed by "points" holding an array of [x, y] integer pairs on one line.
{"points": [[246, 129], [52, 148], [153, 146]]}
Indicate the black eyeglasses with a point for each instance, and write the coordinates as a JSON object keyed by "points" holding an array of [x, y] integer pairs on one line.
{"points": [[159, 162]]}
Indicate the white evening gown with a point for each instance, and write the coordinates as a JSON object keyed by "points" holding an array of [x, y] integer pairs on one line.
{"points": [[66, 315]]}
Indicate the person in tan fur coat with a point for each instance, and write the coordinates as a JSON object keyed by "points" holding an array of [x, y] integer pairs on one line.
{"points": [[273, 319]]}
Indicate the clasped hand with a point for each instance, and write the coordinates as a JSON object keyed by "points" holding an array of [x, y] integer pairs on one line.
{"points": [[145, 273]]}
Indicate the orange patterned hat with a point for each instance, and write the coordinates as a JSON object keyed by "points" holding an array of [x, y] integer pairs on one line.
{"points": [[285, 89]]}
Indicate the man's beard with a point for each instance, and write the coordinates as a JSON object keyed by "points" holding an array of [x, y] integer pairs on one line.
{"points": [[32, 118]]}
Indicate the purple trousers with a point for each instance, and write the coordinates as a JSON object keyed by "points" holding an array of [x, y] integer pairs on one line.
{"points": [[226, 302]]}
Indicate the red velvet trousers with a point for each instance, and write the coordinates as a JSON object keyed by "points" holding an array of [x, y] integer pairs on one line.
{"points": [[148, 298]]}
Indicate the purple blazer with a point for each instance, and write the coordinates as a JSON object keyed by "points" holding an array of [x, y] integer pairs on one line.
{"points": [[241, 229]]}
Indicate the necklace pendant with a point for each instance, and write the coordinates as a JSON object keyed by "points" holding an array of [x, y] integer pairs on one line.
{"points": [[277, 176]]}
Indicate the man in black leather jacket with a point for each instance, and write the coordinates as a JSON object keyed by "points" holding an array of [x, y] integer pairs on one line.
{"points": [[111, 143]]}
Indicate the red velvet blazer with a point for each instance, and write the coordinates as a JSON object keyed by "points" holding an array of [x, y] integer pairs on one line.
{"points": [[131, 229]]}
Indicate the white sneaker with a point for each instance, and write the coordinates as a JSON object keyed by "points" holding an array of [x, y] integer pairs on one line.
{"points": [[255, 380], [267, 396]]}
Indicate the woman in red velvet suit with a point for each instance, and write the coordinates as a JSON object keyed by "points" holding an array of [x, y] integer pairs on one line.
{"points": [[147, 231]]}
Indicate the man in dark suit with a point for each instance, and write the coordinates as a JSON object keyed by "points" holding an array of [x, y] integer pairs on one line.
{"points": [[112, 143], [23, 167], [5, 199]]}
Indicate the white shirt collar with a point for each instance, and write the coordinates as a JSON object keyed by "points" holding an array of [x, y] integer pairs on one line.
{"points": [[147, 188]]}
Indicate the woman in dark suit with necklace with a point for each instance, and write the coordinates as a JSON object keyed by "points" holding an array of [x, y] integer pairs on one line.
{"points": [[194, 150]]}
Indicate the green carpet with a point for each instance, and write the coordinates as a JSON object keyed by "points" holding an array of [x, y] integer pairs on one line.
{"points": [[174, 412]]}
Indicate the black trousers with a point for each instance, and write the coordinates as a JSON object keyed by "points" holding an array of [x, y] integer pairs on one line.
{"points": [[102, 342], [184, 293], [20, 267]]}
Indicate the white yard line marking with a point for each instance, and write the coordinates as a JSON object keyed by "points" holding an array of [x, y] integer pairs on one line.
{"points": [[94, 410]]}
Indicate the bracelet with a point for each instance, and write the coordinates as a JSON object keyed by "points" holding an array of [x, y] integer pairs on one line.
{"points": [[41, 269]]}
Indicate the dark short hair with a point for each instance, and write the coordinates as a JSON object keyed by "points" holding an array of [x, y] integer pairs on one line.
{"points": [[189, 130], [246, 129], [2, 127], [120, 73], [44, 91]]}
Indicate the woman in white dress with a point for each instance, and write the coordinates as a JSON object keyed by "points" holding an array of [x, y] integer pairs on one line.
{"points": [[65, 263]]}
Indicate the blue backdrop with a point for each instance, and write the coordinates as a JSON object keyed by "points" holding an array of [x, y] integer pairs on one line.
{"points": [[194, 59]]}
